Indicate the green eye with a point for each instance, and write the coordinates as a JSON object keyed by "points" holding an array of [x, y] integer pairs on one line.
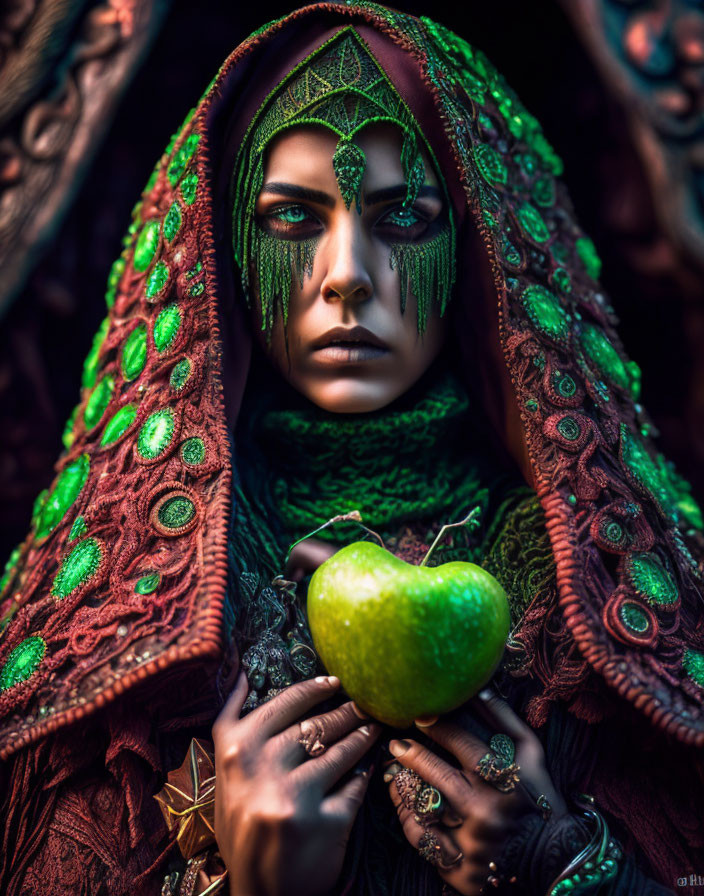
{"points": [[293, 214], [402, 217]]}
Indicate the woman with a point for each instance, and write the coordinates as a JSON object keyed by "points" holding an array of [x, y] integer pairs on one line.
{"points": [[364, 168]]}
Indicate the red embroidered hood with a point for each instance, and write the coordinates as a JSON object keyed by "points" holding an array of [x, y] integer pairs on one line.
{"points": [[124, 571]]}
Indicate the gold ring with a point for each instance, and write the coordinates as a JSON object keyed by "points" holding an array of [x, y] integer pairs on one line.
{"points": [[311, 736]]}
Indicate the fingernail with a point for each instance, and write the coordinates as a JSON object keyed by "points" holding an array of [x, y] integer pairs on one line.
{"points": [[399, 747], [426, 722], [364, 729], [332, 680], [486, 693]]}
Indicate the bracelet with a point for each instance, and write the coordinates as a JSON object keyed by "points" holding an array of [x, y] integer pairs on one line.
{"points": [[596, 863]]}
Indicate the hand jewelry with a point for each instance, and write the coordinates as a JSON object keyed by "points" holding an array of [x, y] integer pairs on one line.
{"points": [[311, 736], [497, 766]]}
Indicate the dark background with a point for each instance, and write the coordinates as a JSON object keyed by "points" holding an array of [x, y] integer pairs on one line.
{"points": [[48, 330]]}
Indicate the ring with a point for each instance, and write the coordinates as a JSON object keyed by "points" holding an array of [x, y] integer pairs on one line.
{"points": [[543, 804], [497, 766], [425, 801], [310, 737], [429, 848]]}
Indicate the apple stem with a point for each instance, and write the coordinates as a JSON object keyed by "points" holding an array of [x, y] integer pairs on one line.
{"points": [[471, 520], [353, 516]]}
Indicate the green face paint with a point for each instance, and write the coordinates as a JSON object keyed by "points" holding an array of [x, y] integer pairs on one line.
{"points": [[342, 87]]}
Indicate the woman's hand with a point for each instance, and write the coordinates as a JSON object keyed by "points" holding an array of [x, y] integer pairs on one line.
{"points": [[279, 830], [478, 818]]}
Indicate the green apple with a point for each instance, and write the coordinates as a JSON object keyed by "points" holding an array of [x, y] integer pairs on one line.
{"points": [[406, 641]]}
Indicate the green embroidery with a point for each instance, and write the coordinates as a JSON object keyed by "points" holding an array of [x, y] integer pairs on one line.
{"points": [[67, 436], [176, 512], [349, 163], [98, 401], [10, 568], [563, 384], [134, 353], [545, 312], [278, 262], [118, 424], [157, 280], [114, 277], [532, 222], [569, 429], [423, 266], [181, 158], [644, 470], [491, 165], [180, 374], [22, 662], [193, 451], [172, 221], [166, 327], [146, 246], [77, 568], [604, 355], [90, 366], [633, 617], [189, 188], [78, 528], [693, 665], [651, 580], [67, 488], [562, 281], [156, 434], [544, 192], [148, 584], [586, 250]]}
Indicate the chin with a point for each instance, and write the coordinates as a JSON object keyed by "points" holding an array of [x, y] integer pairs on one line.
{"points": [[348, 396]]}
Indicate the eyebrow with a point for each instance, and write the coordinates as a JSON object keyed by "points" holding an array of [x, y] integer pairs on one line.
{"points": [[297, 192], [399, 192]]}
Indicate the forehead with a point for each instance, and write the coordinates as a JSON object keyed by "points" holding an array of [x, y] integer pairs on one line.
{"points": [[304, 155]]}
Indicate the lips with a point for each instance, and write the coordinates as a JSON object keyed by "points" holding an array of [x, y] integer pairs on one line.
{"points": [[350, 336]]}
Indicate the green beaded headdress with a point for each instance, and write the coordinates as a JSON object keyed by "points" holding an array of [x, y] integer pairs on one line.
{"points": [[341, 87]]}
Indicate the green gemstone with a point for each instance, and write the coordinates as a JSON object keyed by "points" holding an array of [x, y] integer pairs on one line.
{"points": [[172, 221], [693, 665], [531, 405], [634, 375], [166, 327], [562, 281], [532, 223], [176, 512], [197, 290], [157, 280], [189, 186], [10, 567], [98, 401], [68, 487], [651, 580], [148, 584], [612, 531], [634, 618], [156, 434], [511, 254], [569, 429], [588, 256], [604, 355], [193, 451], [491, 166], [180, 374], [134, 353], [22, 662], [119, 423], [544, 192], [146, 246], [90, 366], [78, 528], [77, 567], [545, 312], [564, 385], [196, 269], [116, 272], [182, 158]]}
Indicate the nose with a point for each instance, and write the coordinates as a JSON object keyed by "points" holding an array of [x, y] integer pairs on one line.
{"points": [[347, 276]]}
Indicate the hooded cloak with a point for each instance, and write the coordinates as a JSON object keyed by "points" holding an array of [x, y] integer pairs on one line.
{"points": [[120, 586]]}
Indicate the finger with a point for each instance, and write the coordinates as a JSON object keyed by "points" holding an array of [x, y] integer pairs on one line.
{"points": [[287, 707], [320, 773], [233, 706], [493, 709], [449, 781], [344, 804], [464, 746], [319, 731], [447, 817], [414, 831]]}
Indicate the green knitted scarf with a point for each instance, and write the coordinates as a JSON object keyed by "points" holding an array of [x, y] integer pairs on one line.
{"points": [[416, 460]]}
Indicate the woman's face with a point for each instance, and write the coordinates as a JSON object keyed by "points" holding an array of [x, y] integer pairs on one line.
{"points": [[352, 284]]}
